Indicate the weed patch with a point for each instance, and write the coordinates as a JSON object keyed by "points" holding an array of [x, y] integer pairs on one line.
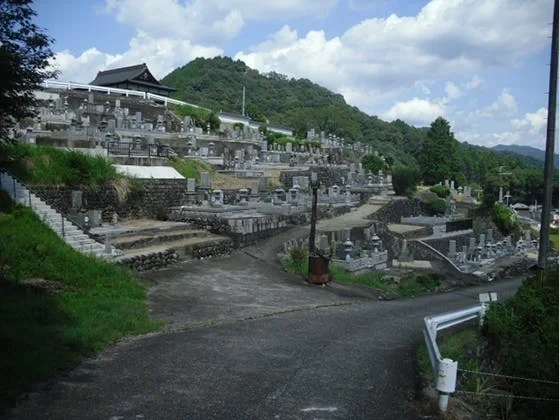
{"points": [[43, 165]]}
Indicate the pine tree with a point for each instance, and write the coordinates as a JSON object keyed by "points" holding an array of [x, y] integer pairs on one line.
{"points": [[24, 61], [438, 154]]}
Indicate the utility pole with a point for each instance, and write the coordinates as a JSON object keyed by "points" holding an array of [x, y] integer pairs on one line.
{"points": [[549, 150]]}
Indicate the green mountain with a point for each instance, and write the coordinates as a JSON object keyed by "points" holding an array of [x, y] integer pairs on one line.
{"points": [[530, 155], [217, 84]]}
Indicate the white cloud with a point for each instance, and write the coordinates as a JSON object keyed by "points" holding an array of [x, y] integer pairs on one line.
{"points": [[162, 55], [447, 39], [419, 112], [529, 130], [474, 83], [534, 122], [452, 91], [207, 21], [505, 106]]}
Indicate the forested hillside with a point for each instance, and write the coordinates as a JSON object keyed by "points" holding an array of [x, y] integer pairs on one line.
{"points": [[217, 83], [434, 152]]}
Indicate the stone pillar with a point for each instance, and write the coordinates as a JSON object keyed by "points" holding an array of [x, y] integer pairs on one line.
{"points": [[452, 249], [472, 247]]}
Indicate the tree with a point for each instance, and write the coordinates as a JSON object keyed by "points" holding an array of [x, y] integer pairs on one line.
{"points": [[373, 164], [438, 155], [404, 180], [24, 61]]}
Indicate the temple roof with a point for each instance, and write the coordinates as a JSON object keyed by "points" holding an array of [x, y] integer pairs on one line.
{"points": [[138, 74]]}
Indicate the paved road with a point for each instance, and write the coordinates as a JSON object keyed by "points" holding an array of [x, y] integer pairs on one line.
{"points": [[247, 341]]}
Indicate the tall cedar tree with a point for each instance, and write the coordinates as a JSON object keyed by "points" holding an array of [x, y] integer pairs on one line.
{"points": [[24, 61], [438, 155]]}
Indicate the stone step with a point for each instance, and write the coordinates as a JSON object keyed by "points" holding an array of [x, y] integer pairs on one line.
{"points": [[183, 247], [89, 248], [146, 239], [79, 242]]}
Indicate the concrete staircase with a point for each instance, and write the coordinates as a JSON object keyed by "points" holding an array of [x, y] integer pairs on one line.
{"points": [[71, 234]]}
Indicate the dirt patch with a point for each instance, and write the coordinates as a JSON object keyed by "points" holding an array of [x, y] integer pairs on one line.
{"points": [[49, 286]]}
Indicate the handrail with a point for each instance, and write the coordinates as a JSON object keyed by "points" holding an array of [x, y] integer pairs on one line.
{"points": [[445, 370]]}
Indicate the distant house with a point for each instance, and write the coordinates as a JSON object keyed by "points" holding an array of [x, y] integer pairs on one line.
{"points": [[136, 77]]}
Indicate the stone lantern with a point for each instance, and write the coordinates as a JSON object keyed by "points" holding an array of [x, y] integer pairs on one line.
{"points": [[348, 248], [375, 240]]}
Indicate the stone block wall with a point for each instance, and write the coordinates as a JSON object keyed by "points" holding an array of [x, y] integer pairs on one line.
{"points": [[146, 198], [396, 209], [326, 176]]}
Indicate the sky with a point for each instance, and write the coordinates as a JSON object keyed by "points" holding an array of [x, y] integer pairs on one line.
{"points": [[481, 64]]}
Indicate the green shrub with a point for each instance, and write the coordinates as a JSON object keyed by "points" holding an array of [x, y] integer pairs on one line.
{"points": [[437, 205], [405, 180], [440, 190], [503, 217], [523, 335], [299, 260]]}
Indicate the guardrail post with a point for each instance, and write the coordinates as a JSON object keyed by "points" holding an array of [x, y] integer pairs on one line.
{"points": [[62, 219], [14, 184], [446, 381], [29, 194]]}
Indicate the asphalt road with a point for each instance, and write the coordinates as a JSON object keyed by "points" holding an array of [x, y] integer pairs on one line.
{"points": [[245, 340]]}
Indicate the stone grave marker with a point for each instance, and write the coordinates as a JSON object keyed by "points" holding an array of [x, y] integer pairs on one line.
{"points": [[191, 185]]}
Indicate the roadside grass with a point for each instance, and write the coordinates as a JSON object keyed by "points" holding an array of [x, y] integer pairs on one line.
{"points": [[57, 306], [453, 346], [554, 238], [51, 166], [407, 287]]}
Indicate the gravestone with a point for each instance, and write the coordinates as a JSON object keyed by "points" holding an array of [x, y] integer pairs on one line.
{"points": [[452, 249], [472, 246], [482, 240], [77, 200], [289, 147], [323, 243], [191, 185], [489, 235], [205, 180]]}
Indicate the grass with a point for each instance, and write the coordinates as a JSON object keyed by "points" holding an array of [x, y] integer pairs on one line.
{"points": [[43, 165], [407, 287], [554, 238], [190, 167], [463, 347], [78, 305]]}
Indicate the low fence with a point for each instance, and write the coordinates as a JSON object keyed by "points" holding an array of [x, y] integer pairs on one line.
{"points": [[130, 149]]}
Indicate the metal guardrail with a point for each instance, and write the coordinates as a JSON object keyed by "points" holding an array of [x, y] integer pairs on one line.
{"points": [[444, 369]]}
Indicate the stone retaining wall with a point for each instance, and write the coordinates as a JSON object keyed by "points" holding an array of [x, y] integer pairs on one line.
{"points": [[170, 256], [146, 198], [398, 208], [151, 261]]}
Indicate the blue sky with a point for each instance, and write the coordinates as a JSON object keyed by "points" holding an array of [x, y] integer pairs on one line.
{"points": [[482, 64]]}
